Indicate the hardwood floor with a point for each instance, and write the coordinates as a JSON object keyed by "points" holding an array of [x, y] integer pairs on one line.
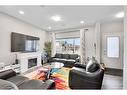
{"points": [[111, 82]]}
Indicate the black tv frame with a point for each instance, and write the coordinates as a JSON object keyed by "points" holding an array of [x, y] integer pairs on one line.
{"points": [[18, 42]]}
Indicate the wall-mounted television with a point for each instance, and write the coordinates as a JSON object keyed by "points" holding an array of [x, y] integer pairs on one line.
{"points": [[24, 43]]}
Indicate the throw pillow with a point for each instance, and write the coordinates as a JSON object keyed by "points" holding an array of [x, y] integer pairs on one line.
{"points": [[92, 66]]}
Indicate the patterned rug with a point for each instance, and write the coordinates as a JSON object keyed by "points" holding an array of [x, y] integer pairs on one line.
{"points": [[60, 76]]}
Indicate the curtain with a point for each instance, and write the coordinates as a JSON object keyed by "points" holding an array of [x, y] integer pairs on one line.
{"points": [[83, 45], [53, 44]]}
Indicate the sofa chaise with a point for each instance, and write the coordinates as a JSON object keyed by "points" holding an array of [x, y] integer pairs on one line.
{"points": [[9, 80]]}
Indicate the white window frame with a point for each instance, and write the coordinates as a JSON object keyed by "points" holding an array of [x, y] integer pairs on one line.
{"points": [[118, 53]]}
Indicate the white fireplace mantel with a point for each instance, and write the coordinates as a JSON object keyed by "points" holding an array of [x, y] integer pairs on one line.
{"points": [[23, 59]]}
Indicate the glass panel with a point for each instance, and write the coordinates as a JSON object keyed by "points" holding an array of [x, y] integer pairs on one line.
{"points": [[77, 45], [113, 47], [69, 45]]}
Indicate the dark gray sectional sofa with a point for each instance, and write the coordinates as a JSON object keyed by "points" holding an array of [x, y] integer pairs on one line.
{"points": [[68, 59], [9, 80]]}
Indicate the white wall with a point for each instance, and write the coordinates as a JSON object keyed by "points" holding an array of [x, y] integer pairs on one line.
{"points": [[125, 50], [112, 28], [9, 24]]}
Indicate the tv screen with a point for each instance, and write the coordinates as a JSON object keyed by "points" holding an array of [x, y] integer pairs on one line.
{"points": [[23, 43]]}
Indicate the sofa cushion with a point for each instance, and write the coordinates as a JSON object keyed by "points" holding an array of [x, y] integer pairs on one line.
{"points": [[92, 66], [32, 84], [73, 56], [57, 55], [65, 56], [18, 80]]}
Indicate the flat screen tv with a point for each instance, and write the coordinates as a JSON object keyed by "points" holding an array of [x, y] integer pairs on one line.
{"points": [[23, 43]]}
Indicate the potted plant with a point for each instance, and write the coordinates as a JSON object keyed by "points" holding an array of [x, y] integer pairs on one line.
{"points": [[47, 48]]}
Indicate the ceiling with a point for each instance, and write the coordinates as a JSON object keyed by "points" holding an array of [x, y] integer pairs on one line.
{"points": [[40, 16]]}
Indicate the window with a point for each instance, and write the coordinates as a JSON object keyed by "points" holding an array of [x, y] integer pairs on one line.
{"points": [[69, 45], [113, 47]]}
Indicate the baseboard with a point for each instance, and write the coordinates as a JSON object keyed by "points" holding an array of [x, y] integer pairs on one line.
{"points": [[114, 71]]}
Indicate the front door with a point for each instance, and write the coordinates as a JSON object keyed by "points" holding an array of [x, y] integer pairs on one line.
{"points": [[112, 50]]}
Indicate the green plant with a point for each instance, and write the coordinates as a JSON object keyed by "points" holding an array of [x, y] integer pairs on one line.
{"points": [[47, 48]]}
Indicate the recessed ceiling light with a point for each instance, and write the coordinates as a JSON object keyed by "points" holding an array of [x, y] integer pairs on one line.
{"points": [[81, 22], [49, 27], [56, 18], [120, 15], [21, 12]]}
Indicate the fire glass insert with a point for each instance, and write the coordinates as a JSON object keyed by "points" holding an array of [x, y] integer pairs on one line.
{"points": [[32, 62]]}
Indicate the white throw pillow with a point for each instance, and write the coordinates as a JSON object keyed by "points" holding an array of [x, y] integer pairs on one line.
{"points": [[88, 65]]}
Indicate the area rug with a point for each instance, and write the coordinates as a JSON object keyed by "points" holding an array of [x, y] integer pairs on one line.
{"points": [[60, 76]]}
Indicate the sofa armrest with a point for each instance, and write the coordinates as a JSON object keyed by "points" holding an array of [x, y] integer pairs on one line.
{"points": [[80, 65], [7, 85], [7, 74], [50, 84]]}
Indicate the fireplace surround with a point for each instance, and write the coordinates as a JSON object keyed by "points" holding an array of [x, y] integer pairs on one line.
{"points": [[29, 60]]}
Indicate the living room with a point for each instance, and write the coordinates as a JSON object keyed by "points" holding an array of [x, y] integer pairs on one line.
{"points": [[51, 47]]}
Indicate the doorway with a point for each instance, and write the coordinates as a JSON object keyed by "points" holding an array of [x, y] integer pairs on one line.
{"points": [[112, 50]]}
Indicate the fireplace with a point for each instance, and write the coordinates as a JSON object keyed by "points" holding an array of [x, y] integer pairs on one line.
{"points": [[29, 60], [32, 62]]}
